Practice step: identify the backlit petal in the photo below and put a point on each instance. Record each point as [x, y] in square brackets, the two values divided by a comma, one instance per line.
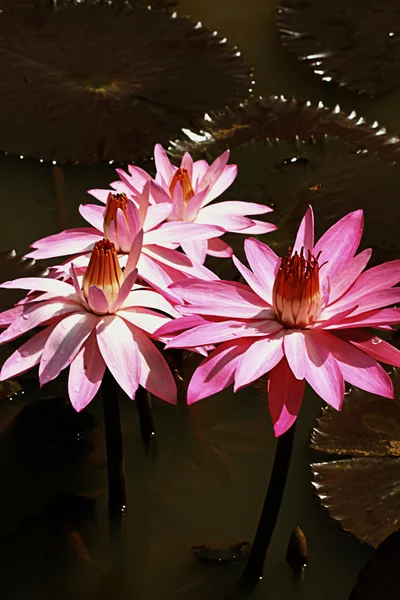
[64, 344]
[120, 352]
[339, 244]
[305, 234]
[27, 356]
[85, 374]
[260, 358]
[285, 395]
[216, 372]
[323, 372]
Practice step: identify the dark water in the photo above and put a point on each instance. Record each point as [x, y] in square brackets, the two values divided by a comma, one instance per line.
[207, 483]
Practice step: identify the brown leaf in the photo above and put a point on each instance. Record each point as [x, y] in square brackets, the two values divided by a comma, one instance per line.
[125, 80]
[356, 45]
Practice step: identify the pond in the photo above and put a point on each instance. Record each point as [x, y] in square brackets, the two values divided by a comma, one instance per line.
[204, 478]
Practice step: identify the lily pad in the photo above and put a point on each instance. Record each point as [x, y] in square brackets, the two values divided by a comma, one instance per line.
[277, 118]
[380, 577]
[329, 175]
[356, 44]
[124, 80]
[362, 492]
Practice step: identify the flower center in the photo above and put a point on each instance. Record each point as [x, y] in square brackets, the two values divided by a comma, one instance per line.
[103, 271]
[114, 202]
[182, 176]
[296, 293]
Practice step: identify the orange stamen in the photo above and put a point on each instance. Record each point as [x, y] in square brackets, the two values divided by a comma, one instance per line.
[182, 176]
[103, 271]
[296, 292]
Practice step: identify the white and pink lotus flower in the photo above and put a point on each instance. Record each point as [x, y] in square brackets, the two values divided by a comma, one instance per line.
[308, 317]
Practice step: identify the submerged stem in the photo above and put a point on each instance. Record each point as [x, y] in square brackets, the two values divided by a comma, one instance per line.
[145, 411]
[255, 565]
[115, 456]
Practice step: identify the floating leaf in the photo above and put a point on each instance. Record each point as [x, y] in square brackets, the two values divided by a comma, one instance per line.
[355, 44]
[327, 174]
[362, 493]
[124, 80]
[379, 579]
[277, 118]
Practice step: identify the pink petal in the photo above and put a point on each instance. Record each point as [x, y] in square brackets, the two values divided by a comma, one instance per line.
[216, 247]
[373, 318]
[263, 262]
[179, 325]
[27, 356]
[138, 177]
[124, 233]
[252, 280]
[215, 332]
[187, 163]
[160, 195]
[133, 216]
[120, 352]
[241, 209]
[38, 314]
[163, 164]
[214, 172]
[342, 281]
[305, 234]
[260, 358]
[295, 350]
[71, 241]
[372, 345]
[134, 186]
[85, 374]
[157, 214]
[196, 250]
[125, 290]
[339, 244]
[8, 316]
[101, 195]
[134, 254]
[155, 375]
[150, 298]
[199, 169]
[216, 372]
[97, 300]
[322, 371]
[144, 318]
[383, 276]
[179, 231]
[378, 299]
[64, 344]
[222, 183]
[216, 214]
[285, 395]
[41, 284]
[179, 262]
[93, 214]
[357, 368]
[258, 228]
[218, 298]
[190, 212]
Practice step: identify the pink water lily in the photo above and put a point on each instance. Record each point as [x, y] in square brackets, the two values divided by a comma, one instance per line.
[120, 221]
[188, 190]
[99, 320]
[306, 317]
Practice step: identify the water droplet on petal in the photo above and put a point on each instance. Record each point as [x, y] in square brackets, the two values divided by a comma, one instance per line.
[376, 340]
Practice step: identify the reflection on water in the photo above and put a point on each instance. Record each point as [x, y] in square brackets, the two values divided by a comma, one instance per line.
[206, 485]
